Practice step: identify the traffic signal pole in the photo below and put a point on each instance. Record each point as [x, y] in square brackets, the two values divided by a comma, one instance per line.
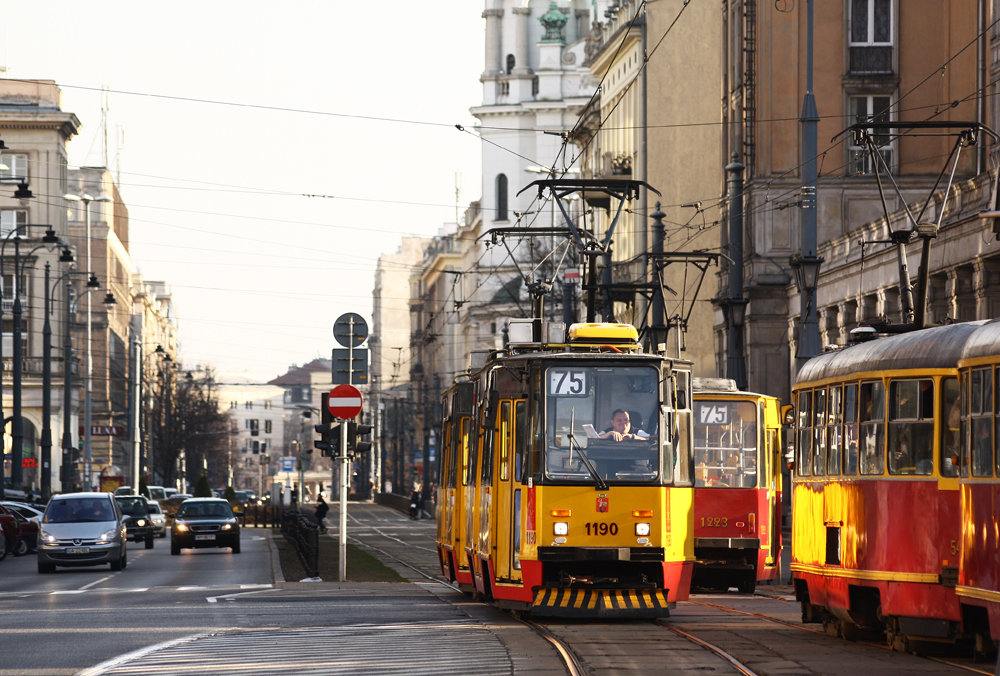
[344, 468]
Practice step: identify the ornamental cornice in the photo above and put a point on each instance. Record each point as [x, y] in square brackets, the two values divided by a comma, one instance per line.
[66, 123]
[523, 10]
[492, 12]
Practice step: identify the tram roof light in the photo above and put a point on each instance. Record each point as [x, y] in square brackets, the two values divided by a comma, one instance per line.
[616, 333]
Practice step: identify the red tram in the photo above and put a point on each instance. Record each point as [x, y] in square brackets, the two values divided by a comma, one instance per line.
[894, 505]
[737, 497]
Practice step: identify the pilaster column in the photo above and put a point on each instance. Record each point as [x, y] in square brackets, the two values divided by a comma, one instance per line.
[521, 60]
[494, 59]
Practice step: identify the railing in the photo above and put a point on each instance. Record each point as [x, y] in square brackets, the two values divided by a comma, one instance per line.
[303, 534]
[35, 366]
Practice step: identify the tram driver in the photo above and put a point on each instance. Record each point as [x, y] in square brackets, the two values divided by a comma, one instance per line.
[621, 426]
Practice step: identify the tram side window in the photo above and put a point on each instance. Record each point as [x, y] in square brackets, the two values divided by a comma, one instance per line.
[506, 440]
[872, 446]
[819, 432]
[464, 440]
[452, 450]
[951, 422]
[911, 427]
[520, 438]
[851, 430]
[835, 439]
[981, 423]
[804, 461]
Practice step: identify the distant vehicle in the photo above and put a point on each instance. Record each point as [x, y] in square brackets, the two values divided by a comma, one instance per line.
[138, 522]
[123, 490]
[82, 529]
[30, 512]
[169, 492]
[156, 492]
[204, 522]
[158, 518]
[10, 534]
[181, 496]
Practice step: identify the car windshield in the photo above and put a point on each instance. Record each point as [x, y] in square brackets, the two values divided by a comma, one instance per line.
[75, 510]
[602, 420]
[154, 508]
[725, 443]
[203, 510]
[132, 506]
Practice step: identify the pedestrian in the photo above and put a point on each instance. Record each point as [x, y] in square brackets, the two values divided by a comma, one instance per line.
[321, 509]
[415, 500]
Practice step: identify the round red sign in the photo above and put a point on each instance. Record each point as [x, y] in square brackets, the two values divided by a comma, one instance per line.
[344, 402]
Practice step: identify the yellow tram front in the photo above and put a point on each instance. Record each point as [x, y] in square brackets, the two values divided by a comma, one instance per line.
[584, 496]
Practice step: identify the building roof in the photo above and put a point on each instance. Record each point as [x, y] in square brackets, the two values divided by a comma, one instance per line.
[300, 375]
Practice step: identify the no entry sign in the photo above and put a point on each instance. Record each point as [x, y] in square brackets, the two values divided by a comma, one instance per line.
[344, 402]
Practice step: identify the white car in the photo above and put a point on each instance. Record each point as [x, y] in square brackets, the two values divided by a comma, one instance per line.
[29, 512]
[158, 518]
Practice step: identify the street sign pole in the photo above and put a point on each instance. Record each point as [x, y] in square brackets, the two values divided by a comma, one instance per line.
[344, 466]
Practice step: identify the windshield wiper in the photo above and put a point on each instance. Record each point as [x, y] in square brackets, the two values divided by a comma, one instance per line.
[601, 483]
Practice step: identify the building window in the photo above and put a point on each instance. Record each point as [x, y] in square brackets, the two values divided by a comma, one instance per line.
[870, 43]
[254, 427]
[248, 405]
[267, 427]
[501, 213]
[17, 168]
[874, 108]
[510, 63]
[10, 219]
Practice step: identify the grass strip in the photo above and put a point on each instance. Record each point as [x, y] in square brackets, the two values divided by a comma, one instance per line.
[361, 566]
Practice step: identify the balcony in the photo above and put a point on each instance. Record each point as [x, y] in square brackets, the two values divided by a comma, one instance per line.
[33, 367]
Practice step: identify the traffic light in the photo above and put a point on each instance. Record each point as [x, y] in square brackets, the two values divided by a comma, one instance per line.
[329, 443]
[359, 445]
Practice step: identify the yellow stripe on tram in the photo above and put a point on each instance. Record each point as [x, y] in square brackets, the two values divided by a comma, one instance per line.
[659, 597]
[621, 600]
[634, 599]
[647, 600]
[566, 596]
[580, 596]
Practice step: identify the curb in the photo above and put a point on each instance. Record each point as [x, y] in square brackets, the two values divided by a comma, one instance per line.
[277, 577]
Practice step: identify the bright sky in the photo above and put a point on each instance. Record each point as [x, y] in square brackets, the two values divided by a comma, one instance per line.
[224, 200]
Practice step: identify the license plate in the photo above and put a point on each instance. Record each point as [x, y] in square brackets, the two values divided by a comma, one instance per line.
[204, 537]
[78, 550]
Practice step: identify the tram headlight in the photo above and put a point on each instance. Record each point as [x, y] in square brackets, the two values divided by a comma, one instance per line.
[560, 528]
[642, 529]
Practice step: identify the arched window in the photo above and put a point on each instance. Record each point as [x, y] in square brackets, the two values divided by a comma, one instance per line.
[501, 213]
[510, 63]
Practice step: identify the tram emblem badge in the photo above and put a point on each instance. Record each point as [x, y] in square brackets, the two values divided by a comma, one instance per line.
[602, 503]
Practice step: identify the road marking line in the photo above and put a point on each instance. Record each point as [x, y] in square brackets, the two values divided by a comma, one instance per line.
[88, 586]
[104, 667]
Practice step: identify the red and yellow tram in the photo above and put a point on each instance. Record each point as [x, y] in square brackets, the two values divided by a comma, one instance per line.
[886, 512]
[737, 497]
[545, 511]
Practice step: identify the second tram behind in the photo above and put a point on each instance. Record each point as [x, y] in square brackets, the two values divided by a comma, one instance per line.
[542, 507]
[737, 497]
[896, 498]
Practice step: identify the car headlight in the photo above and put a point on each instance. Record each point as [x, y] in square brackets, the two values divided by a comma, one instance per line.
[642, 529]
[140, 522]
[180, 526]
[560, 528]
[107, 536]
[47, 537]
[227, 526]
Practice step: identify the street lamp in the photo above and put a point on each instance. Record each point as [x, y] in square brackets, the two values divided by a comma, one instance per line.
[88, 455]
[806, 270]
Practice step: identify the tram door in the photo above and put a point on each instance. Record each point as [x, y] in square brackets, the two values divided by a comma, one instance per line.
[772, 474]
[508, 490]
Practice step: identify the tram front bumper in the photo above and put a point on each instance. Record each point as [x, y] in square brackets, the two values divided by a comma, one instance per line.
[630, 603]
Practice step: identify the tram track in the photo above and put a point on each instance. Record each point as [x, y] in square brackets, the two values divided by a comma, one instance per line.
[571, 661]
[765, 618]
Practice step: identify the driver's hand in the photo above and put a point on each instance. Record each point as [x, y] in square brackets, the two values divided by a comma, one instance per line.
[617, 436]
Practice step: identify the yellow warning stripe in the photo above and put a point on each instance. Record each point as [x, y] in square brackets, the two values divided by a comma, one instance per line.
[875, 575]
[977, 593]
[566, 596]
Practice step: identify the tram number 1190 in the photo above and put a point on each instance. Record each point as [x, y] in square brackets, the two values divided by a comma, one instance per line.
[596, 528]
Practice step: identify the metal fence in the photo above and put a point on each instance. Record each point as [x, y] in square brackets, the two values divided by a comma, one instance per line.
[303, 534]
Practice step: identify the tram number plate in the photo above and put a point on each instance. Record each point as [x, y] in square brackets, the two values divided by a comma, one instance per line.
[714, 522]
[596, 528]
[568, 383]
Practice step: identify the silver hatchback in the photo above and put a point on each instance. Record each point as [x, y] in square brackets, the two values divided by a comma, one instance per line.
[82, 529]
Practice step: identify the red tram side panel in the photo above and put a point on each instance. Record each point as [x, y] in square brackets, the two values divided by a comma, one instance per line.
[737, 501]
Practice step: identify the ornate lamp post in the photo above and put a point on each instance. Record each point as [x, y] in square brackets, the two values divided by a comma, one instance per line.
[88, 454]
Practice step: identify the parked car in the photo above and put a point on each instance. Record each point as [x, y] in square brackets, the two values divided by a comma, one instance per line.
[204, 522]
[30, 512]
[158, 518]
[27, 532]
[138, 523]
[82, 529]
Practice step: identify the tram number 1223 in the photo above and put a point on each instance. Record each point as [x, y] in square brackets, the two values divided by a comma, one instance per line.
[714, 522]
[602, 528]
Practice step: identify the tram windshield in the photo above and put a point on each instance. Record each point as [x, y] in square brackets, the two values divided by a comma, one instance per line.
[602, 423]
[726, 438]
